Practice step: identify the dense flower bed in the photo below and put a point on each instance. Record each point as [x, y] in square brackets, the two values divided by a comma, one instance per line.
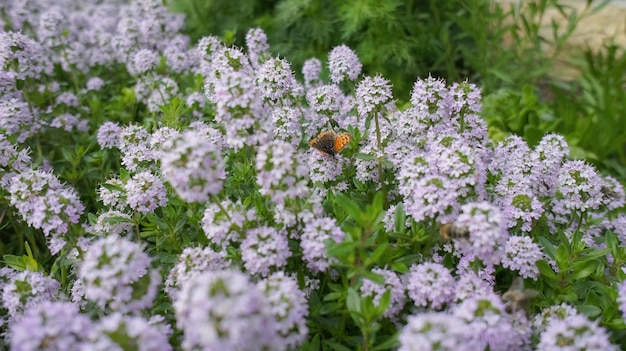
[182, 207]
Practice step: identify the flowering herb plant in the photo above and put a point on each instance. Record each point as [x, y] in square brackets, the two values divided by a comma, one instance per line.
[163, 196]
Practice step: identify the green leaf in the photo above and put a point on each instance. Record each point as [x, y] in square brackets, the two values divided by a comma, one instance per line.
[365, 157]
[377, 254]
[399, 219]
[549, 249]
[546, 270]
[352, 208]
[562, 256]
[532, 134]
[337, 346]
[374, 277]
[391, 343]
[400, 267]
[590, 311]
[15, 262]
[353, 302]
[583, 269]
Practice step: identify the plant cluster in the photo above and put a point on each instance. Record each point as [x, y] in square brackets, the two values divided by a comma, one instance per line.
[163, 196]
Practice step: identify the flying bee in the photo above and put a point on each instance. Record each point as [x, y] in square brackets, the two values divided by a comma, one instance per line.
[448, 231]
[609, 193]
[517, 298]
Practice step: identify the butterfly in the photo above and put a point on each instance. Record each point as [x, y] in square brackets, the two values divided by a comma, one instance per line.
[330, 143]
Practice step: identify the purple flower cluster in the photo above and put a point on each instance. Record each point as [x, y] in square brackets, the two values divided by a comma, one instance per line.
[224, 310]
[134, 143]
[224, 223]
[12, 160]
[258, 48]
[373, 94]
[238, 101]
[575, 333]
[489, 326]
[314, 235]
[430, 284]
[114, 223]
[142, 334]
[52, 326]
[438, 148]
[191, 262]
[193, 166]
[116, 274]
[393, 284]
[311, 70]
[145, 192]
[521, 254]
[263, 249]
[287, 304]
[276, 81]
[22, 57]
[487, 233]
[343, 63]
[17, 118]
[434, 331]
[26, 289]
[44, 203]
[282, 175]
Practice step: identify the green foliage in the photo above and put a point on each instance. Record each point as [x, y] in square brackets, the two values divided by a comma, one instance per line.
[589, 111]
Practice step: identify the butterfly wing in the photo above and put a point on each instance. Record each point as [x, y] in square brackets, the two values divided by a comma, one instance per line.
[341, 141]
[325, 142]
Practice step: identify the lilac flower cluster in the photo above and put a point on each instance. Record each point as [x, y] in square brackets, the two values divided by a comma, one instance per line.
[224, 223]
[574, 333]
[134, 143]
[487, 234]
[46, 204]
[521, 254]
[191, 262]
[113, 272]
[343, 63]
[225, 310]
[282, 176]
[12, 161]
[142, 334]
[393, 284]
[22, 57]
[434, 331]
[193, 166]
[109, 135]
[430, 284]
[26, 289]
[315, 234]
[438, 149]
[287, 304]
[145, 192]
[276, 81]
[238, 101]
[52, 326]
[263, 249]
[489, 326]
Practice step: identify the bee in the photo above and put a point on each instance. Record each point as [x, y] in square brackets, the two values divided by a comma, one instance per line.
[609, 193]
[450, 231]
[517, 298]
[330, 143]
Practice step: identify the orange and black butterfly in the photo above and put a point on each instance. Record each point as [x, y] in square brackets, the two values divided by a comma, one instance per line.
[330, 143]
